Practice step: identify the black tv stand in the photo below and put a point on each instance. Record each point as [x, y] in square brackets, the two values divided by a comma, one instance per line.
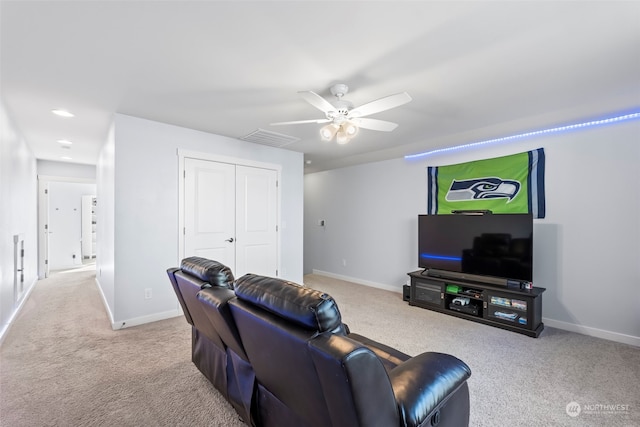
[513, 309]
[465, 277]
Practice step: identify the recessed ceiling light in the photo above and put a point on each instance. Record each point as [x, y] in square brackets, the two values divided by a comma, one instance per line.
[64, 142]
[66, 158]
[62, 113]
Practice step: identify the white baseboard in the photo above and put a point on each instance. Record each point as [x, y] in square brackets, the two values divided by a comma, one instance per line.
[566, 326]
[136, 321]
[25, 297]
[104, 301]
[127, 323]
[358, 281]
[592, 332]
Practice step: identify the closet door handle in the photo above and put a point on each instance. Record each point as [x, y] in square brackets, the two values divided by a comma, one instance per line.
[230, 240]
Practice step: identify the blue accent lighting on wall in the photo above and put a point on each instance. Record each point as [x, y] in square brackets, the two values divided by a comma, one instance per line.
[592, 123]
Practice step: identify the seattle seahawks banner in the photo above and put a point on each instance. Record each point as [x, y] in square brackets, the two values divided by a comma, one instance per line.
[510, 184]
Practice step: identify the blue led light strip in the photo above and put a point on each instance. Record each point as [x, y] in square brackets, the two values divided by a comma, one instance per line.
[524, 135]
[441, 257]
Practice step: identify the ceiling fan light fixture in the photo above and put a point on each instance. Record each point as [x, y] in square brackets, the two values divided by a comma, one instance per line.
[342, 137]
[343, 120]
[350, 129]
[327, 132]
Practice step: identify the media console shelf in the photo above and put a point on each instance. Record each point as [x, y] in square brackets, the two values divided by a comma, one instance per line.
[517, 310]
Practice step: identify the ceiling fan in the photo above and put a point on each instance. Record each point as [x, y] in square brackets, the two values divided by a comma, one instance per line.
[344, 120]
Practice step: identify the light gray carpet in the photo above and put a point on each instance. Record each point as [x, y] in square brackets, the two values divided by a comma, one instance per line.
[516, 380]
[62, 365]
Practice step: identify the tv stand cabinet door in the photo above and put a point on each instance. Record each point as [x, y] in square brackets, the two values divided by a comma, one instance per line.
[518, 311]
[427, 293]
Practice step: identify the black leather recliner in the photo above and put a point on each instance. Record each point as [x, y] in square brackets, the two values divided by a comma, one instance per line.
[311, 371]
[292, 362]
[240, 375]
[204, 288]
[194, 275]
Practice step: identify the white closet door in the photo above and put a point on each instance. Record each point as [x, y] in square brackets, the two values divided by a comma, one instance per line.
[256, 221]
[230, 215]
[209, 217]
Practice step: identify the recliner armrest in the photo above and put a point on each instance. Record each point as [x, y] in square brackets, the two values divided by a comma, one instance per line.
[389, 356]
[425, 381]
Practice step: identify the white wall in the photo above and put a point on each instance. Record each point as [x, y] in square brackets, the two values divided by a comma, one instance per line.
[65, 223]
[586, 251]
[144, 158]
[105, 227]
[52, 169]
[18, 195]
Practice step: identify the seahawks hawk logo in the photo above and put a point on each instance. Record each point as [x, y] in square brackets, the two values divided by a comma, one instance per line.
[482, 188]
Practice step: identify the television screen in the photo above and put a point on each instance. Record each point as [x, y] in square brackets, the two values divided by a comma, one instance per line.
[495, 245]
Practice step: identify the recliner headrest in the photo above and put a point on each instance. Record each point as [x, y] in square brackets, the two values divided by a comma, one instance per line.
[212, 272]
[306, 307]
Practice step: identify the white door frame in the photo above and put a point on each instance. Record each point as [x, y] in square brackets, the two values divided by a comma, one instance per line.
[182, 154]
[43, 217]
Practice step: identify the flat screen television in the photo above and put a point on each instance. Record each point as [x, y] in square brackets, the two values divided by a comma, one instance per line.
[490, 248]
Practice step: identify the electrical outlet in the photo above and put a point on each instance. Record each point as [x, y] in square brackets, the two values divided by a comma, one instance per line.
[147, 293]
[344, 262]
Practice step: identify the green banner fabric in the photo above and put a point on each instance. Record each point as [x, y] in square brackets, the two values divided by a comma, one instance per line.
[509, 184]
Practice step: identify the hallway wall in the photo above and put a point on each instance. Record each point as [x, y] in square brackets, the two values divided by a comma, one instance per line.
[18, 216]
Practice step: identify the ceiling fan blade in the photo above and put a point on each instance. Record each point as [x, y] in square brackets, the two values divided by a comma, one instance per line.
[317, 101]
[375, 124]
[382, 104]
[295, 122]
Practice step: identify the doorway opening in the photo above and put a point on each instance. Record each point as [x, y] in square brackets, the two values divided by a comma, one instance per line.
[60, 237]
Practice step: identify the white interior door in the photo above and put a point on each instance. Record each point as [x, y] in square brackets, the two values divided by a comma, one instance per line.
[209, 220]
[256, 221]
[43, 228]
[230, 215]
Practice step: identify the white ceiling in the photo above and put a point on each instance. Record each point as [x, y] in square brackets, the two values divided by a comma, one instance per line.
[475, 69]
